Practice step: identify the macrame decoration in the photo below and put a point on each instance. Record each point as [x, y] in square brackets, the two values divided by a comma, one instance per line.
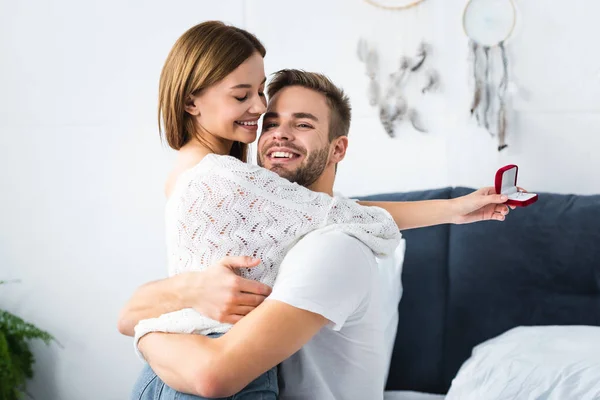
[392, 103]
[488, 24]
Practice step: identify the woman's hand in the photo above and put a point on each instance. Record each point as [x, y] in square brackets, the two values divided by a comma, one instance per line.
[219, 293]
[482, 205]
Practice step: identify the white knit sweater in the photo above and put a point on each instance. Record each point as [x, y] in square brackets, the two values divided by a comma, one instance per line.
[225, 207]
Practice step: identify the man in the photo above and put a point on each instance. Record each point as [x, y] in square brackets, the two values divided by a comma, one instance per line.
[322, 320]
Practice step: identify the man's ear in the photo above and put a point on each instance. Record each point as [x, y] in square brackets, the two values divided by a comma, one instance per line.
[191, 105]
[340, 145]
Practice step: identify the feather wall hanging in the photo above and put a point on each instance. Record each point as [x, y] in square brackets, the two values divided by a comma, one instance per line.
[392, 103]
[488, 24]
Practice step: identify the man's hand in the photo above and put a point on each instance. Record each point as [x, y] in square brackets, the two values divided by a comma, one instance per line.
[482, 205]
[223, 295]
[217, 292]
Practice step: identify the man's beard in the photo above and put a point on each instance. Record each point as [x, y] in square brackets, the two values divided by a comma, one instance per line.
[308, 172]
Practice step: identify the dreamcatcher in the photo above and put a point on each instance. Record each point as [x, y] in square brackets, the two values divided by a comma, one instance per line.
[488, 24]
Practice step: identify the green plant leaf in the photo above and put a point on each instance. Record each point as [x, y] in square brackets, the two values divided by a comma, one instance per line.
[16, 358]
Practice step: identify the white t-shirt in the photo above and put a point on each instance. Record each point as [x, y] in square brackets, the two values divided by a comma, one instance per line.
[336, 276]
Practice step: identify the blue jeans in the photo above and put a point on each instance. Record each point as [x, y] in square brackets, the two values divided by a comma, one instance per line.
[150, 387]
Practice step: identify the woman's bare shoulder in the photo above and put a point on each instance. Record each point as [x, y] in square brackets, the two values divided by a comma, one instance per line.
[187, 158]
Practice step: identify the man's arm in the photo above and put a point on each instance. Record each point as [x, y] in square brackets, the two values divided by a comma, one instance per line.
[323, 279]
[223, 366]
[217, 292]
[481, 205]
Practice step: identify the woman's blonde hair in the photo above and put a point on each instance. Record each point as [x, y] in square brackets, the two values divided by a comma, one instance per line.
[201, 57]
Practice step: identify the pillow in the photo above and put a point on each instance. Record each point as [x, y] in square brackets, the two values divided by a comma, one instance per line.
[541, 362]
[390, 281]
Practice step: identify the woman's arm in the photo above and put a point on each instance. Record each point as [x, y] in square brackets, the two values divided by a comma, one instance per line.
[149, 301]
[217, 292]
[416, 214]
[481, 205]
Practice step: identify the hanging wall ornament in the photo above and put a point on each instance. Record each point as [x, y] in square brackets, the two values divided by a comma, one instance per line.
[394, 4]
[372, 63]
[369, 56]
[393, 94]
[488, 24]
[432, 81]
[392, 103]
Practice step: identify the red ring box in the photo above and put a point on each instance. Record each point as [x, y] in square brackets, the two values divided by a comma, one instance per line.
[506, 183]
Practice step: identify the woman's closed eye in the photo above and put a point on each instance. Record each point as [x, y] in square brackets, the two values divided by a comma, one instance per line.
[242, 99]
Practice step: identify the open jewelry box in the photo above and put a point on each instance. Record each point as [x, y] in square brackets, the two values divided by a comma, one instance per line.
[506, 183]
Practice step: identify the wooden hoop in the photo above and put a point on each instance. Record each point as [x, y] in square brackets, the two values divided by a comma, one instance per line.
[404, 7]
[512, 28]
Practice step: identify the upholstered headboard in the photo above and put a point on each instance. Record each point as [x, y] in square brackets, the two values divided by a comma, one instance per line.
[464, 284]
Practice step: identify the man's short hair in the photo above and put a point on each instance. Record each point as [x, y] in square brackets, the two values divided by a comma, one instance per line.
[338, 102]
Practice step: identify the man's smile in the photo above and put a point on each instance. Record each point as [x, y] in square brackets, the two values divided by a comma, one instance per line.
[282, 155]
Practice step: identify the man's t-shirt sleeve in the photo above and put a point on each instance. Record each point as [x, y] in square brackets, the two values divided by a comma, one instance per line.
[327, 273]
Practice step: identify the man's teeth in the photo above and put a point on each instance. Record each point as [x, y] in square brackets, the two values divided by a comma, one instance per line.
[247, 123]
[281, 154]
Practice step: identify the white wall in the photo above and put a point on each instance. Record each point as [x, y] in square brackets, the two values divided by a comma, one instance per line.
[82, 168]
[82, 174]
[555, 67]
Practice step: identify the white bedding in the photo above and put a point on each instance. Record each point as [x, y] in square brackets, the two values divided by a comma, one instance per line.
[542, 363]
[408, 395]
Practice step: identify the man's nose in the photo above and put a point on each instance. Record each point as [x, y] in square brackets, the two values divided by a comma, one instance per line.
[283, 132]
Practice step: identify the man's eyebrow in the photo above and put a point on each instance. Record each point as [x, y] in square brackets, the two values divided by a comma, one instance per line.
[247, 85]
[298, 115]
[305, 115]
